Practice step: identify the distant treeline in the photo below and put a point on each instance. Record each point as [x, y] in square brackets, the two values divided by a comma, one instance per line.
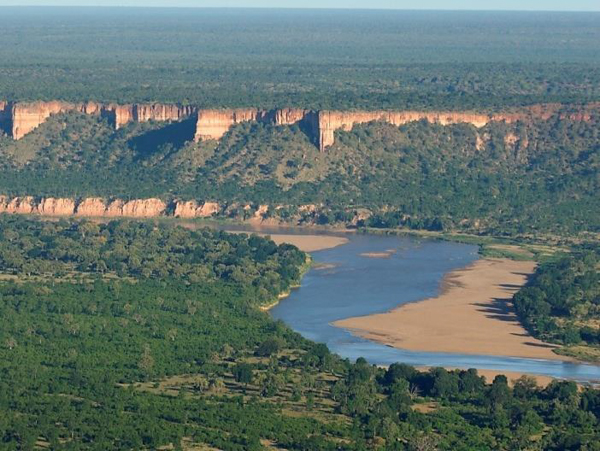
[307, 59]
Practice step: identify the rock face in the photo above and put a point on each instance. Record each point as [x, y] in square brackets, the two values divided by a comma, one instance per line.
[18, 119]
[91, 207]
[213, 124]
[331, 121]
[22, 118]
[17, 205]
[56, 207]
[260, 214]
[139, 208]
[191, 209]
[26, 117]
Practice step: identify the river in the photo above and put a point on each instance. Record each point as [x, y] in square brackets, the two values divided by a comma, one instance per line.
[348, 284]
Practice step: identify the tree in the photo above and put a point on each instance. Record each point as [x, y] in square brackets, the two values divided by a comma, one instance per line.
[146, 363]
[499, 393]
[269, 347]
[242, 373]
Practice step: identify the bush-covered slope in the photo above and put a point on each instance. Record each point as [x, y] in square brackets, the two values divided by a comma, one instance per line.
[505, 178]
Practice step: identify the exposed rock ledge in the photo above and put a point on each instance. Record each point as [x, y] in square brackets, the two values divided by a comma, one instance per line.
[98, 207]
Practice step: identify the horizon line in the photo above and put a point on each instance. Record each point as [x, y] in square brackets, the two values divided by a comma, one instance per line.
[297, 8]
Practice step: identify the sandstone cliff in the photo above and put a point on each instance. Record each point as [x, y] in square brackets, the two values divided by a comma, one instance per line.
[91, 207]
[191, 209]
[26, 117]
[18, 205]
[56, 207]
[213, 124]
[18, 119]
[98, 207]
[331, 121]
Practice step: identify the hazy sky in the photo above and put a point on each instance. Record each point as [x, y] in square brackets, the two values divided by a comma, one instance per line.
[548, 5]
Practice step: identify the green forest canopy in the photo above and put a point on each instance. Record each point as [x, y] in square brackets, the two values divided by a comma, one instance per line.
[96, 353]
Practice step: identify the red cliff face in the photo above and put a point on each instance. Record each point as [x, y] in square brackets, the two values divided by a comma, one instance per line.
[97, 207]
[17, 205]
[26, 117]
[56, 207]
[213, 124]
[18, 119]
[331, 121]
[191, 209]
[91, 207]
[139, 208]
[161, 112]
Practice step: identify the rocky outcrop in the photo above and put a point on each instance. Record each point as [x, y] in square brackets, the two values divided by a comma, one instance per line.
[260, 214]
[26, 117]
[331, 121]
[213, 124]
[208, 209]
[121, 115]
[18, 205]
[139, 208]
[116, 208]
[91, 207]
[191, 209]
[22, 118]
[56, 207]
[185, 209]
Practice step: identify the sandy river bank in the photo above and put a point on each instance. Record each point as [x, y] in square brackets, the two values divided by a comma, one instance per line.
[306, 243]
[472, 315]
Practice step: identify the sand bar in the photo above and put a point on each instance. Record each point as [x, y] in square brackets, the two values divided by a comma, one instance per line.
[306, 243]
[472, 315]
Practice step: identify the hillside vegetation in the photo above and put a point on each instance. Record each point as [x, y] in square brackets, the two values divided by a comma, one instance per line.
[504, 178]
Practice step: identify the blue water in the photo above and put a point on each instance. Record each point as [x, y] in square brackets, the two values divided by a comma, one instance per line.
[358, 285]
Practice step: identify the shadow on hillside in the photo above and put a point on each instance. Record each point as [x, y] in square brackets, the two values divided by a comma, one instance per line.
[165, 140]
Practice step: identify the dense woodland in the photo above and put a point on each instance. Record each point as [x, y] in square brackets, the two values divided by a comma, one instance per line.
[308, 59]
[522, 178]
[96, 353]
[561, 303]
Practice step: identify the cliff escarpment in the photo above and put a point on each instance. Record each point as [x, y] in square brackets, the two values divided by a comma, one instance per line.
[19, 119]
[99, 207]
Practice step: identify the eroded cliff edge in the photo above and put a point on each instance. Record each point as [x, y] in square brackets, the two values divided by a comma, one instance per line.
[98, 207]
[17, 119]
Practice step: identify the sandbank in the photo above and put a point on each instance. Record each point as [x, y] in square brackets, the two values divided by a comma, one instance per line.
[306, 243]
[472, 315]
